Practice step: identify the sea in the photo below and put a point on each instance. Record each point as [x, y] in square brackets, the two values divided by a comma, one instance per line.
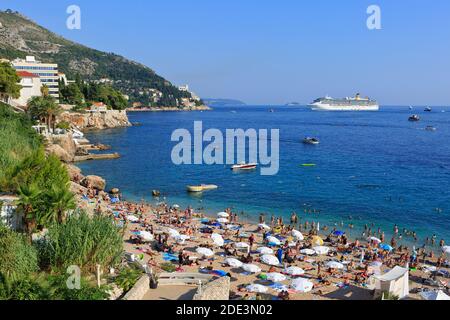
[371, 168]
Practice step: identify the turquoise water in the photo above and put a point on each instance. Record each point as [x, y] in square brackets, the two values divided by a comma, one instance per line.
[372, 167]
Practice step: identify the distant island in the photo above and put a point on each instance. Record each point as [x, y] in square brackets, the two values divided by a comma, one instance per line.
[222, 102]
[293, 104]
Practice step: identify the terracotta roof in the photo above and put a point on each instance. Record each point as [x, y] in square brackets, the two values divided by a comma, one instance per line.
[26, 74]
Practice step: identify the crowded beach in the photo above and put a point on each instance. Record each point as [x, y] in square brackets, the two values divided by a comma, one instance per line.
[272, 260]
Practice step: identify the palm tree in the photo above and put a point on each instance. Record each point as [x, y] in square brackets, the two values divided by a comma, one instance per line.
[29, 197]
[44, 107]
[60, 200]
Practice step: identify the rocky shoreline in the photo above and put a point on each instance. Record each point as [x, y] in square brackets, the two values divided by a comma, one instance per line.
[170, 109]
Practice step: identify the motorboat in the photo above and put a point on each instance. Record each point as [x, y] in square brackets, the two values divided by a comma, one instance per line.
[309, 140]
[428, 109]
[430, 128]
[201, 188]
[414, 117]
[244, 166]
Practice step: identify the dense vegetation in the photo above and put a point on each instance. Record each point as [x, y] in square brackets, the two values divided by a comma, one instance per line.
[129, 77]
[83, 94]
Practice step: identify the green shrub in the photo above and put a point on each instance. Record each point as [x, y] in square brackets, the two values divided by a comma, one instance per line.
[27, 289]
[88, 291]
[127, 278]
[82, 241]
[18, 259]
[168, 267]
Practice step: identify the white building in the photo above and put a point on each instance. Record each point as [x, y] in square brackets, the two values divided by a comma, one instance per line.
[47, 72]
[31, 87]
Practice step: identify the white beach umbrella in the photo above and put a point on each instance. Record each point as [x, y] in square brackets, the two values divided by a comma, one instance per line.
[334, 265]
[320, 250]
[132, 218]
[231, 226]
[182, 238]
[273, 240]
[176, 206]
[264, 250]
[292, 244]
[276, 277]
[241, 245]
[145, 235]
[222, 220]
[205, 252]
[302, 285]
[234, 263]
[258, 288]
[223, 215]
[270, 260]
[376, 264]
[434, 295]
[298, 235]
[446, 249]
[252, 268]
[308, 252]
[217, 239]
[374, 239]
[263, 226]
[294, 271]
[172, 232]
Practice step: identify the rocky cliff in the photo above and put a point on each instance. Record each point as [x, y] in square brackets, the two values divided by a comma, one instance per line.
[96, 121]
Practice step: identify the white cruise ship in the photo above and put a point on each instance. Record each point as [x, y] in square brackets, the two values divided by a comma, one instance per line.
[346, 104]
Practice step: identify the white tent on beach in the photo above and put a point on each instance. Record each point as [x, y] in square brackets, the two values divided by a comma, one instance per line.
[394, 282]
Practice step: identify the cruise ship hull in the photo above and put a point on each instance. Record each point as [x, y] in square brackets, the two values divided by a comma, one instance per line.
[356, 107]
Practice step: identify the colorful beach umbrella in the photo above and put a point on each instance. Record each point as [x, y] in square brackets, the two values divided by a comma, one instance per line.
[205, 252]
[252, 268]
[317, 241]
[264, 250]
[294, 271]
[338, 233]
[302, 285]
[386, 247]
[234, 263]
[270, 260]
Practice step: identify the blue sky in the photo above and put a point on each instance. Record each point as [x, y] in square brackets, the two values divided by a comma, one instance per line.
[272, 51]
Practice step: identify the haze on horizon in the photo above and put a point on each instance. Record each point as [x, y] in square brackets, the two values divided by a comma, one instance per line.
[272, 52]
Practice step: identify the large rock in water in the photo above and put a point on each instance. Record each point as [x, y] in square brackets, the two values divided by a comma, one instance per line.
[74, 172]
[59, 152]
[94, 121]
[95, 182]
[66, 142]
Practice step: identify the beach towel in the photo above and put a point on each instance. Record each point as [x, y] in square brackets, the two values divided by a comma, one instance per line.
[220, 273]
[169, 257]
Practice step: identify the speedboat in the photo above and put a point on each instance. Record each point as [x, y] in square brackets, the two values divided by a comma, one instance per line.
[244, 166]
[430, 128]
[309, 140]
[201, 188]
[414, 117]
[271, 111]
[428, 109]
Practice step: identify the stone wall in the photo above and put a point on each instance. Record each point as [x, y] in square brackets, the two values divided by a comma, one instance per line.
[97, 120]
[139, 290]
[215, 290]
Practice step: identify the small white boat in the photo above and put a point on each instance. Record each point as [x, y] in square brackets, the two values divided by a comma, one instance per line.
[414, 118]
[244, 166]
[428, 109]
[201, 188]
[313, 141]
[430, 128]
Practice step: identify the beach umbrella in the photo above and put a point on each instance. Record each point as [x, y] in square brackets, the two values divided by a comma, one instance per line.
[182, 238]
[234, 263]
[223, 215]
[222, 220]
[232, 227]
[294, 271]
[317, 241]
[252, 268]
[375, 239]
[264, 250]
[446, 249]
[318, 226]
[258, 288]
[145, 235]
[308, 252]
[376, 264]
[434, 295]
[298, 235]
[270, 260]
[172, 232]
[264, 226]
[276, 277]
[132, 218]
[321, 250]
[386, 247]
[302, 285]
[338, 233]
[334, 265]
[176, 206]
[273, 240]
[205, 252]
[292, 244]
[241, 245]
[217, 239]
